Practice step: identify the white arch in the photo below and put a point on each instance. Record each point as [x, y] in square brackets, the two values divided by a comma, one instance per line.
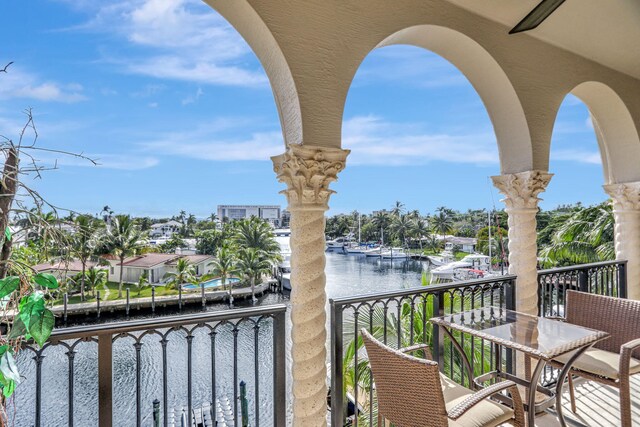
[255, 32]
[615, 130]
[488, 79]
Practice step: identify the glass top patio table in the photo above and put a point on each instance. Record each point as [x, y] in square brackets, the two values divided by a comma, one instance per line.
[536, 336]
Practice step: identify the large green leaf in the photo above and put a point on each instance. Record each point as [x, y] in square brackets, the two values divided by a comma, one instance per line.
[7, 233]
[8, 285]
[46, 280]
[30, 306]
[9, 388]
[41, 325]
[8, 367]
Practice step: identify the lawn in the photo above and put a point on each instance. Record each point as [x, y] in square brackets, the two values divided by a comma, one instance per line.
[113, 293]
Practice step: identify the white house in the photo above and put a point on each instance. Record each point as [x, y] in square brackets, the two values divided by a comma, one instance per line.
[156, 265]
[65, 269]
[165, 229]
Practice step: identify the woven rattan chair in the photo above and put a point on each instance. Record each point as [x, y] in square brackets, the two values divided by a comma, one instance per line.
[611, 361]
[411, 392]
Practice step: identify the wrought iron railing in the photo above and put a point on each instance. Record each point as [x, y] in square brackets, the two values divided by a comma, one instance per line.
[110, 374]
[603, 278]
[401, 319]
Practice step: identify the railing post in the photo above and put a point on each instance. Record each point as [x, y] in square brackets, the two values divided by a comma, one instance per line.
[438, 338]
[153, 299]
[337, 386]
[622, 279]
[66, 301]
[98, 304]
[105, 380]
[510, 304]
[583, 282]
[279, 370]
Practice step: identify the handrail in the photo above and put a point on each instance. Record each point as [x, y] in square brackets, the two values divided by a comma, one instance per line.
[580, 267]
[164, 322]
[418, 290]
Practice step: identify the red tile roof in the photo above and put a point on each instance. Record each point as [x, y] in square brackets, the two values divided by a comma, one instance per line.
[64, 265]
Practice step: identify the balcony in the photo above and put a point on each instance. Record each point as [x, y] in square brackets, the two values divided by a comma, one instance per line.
[157, 371]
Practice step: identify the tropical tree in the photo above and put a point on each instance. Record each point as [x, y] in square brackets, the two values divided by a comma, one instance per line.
[225, 266]
[185, 273]
[94, 278]
[442, 222]
[123, 238]
[381, 220]
[84, 241]
[401, 227]
[398, 209]
[143, 281]
[253, 263]
[586, 236]
[256, 234]
[420, 230]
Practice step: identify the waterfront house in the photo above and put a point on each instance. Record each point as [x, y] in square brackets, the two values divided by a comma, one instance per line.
[155, 265]
[65, 269]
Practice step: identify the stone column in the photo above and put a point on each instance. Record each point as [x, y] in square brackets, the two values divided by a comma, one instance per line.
[626, 211]
[521, 191]
[307, 171]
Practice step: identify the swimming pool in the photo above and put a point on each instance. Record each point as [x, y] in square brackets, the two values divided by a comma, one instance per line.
[214, 283]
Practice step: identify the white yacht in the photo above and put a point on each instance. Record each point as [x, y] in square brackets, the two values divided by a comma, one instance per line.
[394, 253]
[445, 257]
[449, 271]
[375, 252]
[337, 245]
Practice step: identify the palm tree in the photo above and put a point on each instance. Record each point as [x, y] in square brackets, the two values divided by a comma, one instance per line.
[123, 238]
[586, 236]
[95, 277]
[381, 220]
[143, 281]
[224, 266]
[420, 230]
[442, 222]
[401, 226]
[83, 244]
[185, 273]
[256, 234]
[253, 264]
[398, 208]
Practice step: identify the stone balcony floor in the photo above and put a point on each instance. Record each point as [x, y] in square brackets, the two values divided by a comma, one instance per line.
[598, 405]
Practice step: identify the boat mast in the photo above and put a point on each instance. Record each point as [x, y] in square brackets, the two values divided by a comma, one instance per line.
[359, 233]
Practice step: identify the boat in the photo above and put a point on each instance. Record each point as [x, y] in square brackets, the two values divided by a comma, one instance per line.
[394, 253]
[447, 272]
[339, 244]
[375, 252]
[355, 250]
[445, 257]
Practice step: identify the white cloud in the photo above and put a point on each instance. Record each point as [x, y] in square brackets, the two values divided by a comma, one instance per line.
[19, 83]
[203, 145]
[374, 141]
[181, 40]
[193, 98]
[153, 105]
[577, 155]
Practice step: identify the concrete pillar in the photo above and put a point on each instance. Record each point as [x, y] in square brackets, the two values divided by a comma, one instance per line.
[626, 211]
[521, 191]
[307, 171]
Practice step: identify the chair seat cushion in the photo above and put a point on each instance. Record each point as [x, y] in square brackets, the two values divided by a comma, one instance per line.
[600, 362]
[484, 414]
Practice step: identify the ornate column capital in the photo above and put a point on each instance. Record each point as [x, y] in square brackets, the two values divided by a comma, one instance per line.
[522, 189]
[307, 171]
[625, 196]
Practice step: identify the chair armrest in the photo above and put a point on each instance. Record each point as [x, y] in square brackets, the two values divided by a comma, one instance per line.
[417, 347]
[626, 350]
[461, 408]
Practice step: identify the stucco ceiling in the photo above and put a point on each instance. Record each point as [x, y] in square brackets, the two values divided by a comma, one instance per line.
[605, 31]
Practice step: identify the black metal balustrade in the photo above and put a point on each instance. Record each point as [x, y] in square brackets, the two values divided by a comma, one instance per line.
[603, 278]
[126, 364]
[400, 319]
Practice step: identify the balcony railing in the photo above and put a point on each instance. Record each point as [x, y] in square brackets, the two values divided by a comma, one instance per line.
[400, 319]
[603, 278]
[114, 372]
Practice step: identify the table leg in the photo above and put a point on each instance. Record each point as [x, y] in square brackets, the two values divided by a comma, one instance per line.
[531, 398]
[560, 384]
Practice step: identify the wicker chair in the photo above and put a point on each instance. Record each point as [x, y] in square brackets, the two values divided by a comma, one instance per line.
[611, 361]
[411, 392]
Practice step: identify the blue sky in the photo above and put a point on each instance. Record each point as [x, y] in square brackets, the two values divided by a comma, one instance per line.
[179, 113]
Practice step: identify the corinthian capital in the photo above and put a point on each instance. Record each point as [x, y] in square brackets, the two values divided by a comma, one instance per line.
[626, 196]
[522, 189]
[307, 171]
